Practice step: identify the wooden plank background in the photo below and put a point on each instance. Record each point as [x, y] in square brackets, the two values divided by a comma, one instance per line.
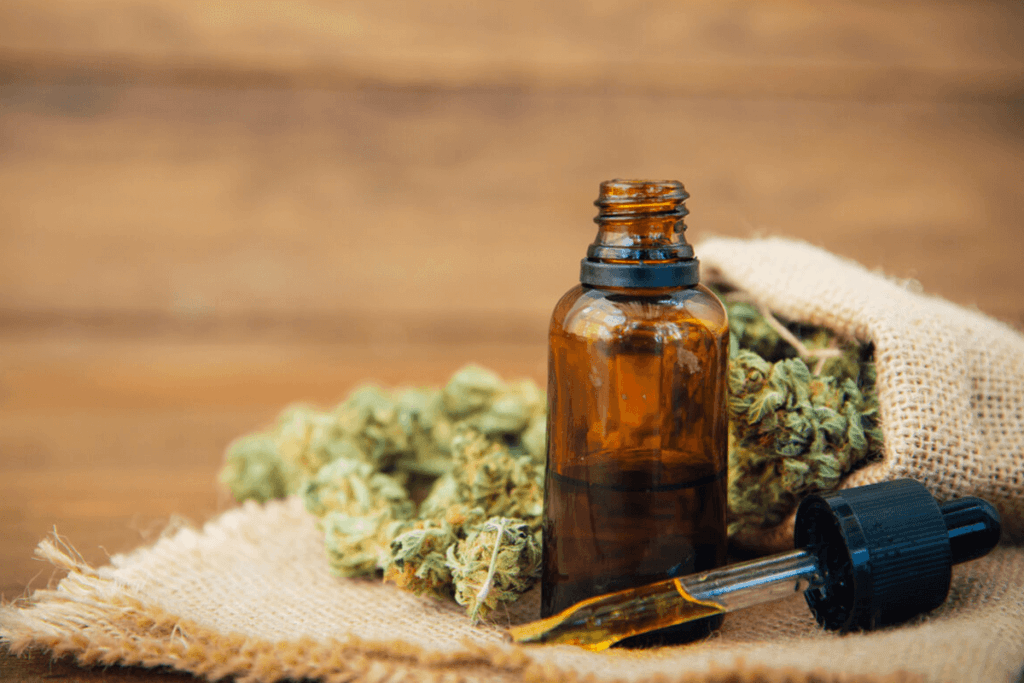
[210, 209]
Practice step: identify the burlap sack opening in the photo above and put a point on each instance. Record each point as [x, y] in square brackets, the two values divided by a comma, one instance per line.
[250, 594]
[950, 380]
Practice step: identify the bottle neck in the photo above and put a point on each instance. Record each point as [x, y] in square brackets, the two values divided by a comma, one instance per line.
[650, 239]
[640, 240]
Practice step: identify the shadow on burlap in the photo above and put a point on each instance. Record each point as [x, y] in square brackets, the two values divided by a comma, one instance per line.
[250, 594]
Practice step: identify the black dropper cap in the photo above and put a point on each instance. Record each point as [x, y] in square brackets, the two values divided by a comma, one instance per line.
[886, 550]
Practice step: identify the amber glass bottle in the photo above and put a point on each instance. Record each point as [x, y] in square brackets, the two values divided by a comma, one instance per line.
[637, 432]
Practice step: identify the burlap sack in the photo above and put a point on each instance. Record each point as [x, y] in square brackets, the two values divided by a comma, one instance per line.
[250, 594]
[950, 380]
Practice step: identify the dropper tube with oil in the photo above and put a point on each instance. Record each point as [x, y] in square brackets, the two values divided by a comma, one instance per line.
[599, 622]
[870, 556]
[635, 489]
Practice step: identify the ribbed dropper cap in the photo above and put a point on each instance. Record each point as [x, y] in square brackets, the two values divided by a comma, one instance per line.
[886, 550]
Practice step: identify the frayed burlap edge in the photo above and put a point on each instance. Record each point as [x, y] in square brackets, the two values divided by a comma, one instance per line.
[97, 621]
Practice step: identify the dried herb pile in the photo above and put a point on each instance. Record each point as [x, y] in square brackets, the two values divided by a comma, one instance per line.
[803, 412]
[475, 447]
[441, 490]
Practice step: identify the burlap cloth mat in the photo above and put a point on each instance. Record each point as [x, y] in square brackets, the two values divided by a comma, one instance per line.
[250, 595]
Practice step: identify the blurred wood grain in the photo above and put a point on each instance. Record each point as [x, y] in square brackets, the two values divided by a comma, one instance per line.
[211, 209]
[398, 210]
[838, 48]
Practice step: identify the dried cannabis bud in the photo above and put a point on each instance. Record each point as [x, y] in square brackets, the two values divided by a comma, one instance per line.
[486, 482]
[496, 563]
[417, 558]
[356, 544]
[490, 477]
[360, 511]
[749, 330]
[802, 409]
[793, 430]
[356, 488]
[253, 469]
[306, 441]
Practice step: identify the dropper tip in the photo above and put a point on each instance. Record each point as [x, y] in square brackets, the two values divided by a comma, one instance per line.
[555, 630]
[973, 525]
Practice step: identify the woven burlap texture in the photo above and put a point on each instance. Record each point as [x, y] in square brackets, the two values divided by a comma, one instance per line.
[250, 594]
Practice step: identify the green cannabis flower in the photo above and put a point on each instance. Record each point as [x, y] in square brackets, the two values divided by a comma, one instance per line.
[498, 562]
[793, 430]
[492, 478]
[360, 510]
[356, 488]
[487, 482]
[417, 558]
[306, 440]
[253, 469]
[748, 329]
[356, 544]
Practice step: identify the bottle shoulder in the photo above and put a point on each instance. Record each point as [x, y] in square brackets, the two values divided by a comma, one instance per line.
[596, 312]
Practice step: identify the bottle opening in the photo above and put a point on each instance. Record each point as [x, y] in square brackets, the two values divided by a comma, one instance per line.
[640, 240]
[637, 197]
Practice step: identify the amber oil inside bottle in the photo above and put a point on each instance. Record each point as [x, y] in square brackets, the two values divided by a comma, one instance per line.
[637, 433]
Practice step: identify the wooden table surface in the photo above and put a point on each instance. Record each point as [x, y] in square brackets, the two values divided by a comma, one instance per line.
[210, 211]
